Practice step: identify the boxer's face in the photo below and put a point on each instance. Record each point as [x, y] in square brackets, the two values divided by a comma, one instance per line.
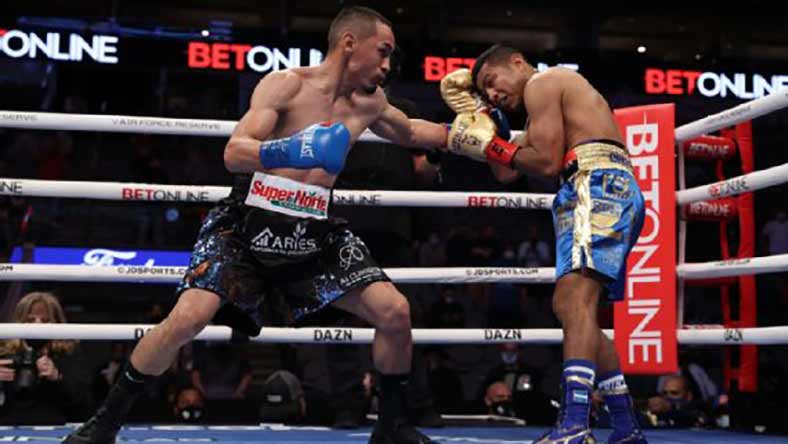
[501, 85]
[370, 61]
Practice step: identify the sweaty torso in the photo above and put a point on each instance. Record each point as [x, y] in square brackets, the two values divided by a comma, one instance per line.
[311, 105]
[586, 113]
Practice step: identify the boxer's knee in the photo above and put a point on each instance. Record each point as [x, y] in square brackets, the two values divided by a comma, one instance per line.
[575, 299]
[394, 313]
[194, 310]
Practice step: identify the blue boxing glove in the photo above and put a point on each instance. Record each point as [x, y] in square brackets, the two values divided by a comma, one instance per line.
[322, 145]
[504, 129]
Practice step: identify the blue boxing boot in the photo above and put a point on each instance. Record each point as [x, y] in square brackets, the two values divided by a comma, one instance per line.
[577, 388]
[614, 389]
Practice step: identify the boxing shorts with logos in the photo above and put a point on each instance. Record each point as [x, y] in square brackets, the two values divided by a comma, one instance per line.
[274, 255]
[598, 213]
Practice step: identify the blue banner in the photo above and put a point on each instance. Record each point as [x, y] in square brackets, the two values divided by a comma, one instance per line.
[103, 256]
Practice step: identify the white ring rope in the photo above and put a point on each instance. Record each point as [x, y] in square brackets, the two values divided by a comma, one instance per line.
[734, 267]
[189, 193]
[741, 113]
[172, 275]
[129, 124]
[756, 180]
[711, 336]
[414, 275]
[222, 128]
[381, 198]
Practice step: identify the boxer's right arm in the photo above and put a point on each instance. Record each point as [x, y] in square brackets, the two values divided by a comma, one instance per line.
[270, 97]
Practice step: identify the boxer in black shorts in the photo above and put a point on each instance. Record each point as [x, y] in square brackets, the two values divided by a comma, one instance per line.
[272, 268]
[271, 253]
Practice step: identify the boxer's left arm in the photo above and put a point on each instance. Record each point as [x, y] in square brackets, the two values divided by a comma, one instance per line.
[394, 125]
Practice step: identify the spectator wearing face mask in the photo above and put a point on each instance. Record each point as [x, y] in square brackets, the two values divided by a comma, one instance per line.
[675, 406]
[188, 405]
[498, 399]
[529, 401]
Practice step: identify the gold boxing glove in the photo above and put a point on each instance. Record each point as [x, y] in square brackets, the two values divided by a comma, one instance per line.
[473, 135]
[457, 92]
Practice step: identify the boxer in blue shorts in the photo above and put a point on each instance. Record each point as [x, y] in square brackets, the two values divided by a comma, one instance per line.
[598, 211]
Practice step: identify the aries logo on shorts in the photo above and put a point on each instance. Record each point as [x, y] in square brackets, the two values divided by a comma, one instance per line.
[295, 245]
[350, 254]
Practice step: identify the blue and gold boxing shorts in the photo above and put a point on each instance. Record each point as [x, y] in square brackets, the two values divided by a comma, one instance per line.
[597, 213]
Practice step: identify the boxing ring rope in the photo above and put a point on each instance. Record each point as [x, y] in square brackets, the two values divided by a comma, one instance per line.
[413, 275]
[172, 275]
[190, 193]
[276, 335]
[741, 113]
[384, 198]
[222, 128]
[745, 183]
[128, 124]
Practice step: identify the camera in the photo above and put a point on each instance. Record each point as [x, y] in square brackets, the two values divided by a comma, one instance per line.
[24, 362]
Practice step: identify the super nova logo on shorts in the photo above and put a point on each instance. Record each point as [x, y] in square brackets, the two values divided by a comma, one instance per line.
[295, 245]
[295, 200]
[286, 196]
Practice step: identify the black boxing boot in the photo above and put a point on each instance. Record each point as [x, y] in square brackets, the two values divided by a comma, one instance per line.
[392, 426]
[103, 427]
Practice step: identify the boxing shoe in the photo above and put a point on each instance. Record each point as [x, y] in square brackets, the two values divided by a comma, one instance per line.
[399, 434]
[576, 434]
[103, 427]
[97, 430]
[633, 437]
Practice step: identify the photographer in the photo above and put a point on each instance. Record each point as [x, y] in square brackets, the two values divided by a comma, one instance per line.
[41, 382]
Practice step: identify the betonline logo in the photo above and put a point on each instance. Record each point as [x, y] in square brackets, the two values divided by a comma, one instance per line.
[644, 276]
[712, 84]
[70, 47]
[238, 56]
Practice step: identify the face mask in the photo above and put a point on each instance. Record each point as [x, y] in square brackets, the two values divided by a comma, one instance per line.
[190, 414]
[508, 357]
[503, 408]
[677, 403]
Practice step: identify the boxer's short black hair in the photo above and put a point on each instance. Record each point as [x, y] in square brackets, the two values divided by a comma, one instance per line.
[497, 53]
[359, 19]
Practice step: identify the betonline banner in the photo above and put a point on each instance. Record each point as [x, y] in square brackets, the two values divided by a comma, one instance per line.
[239, 57]
[102, 257]
[58, 46]
[645, 321]
[712, 84]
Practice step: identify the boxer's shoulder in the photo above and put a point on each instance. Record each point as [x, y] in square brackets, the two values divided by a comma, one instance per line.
[286, 81]
[277, 88]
